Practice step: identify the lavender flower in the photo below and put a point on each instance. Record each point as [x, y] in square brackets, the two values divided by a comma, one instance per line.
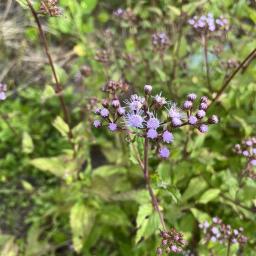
[3, 89]
[153, 123]
[97, 123]
[160, 41]
[159, 100]
[187, 104]
[164, 152]
[112, 127]
[115, 103]
[134, 120]
[167, 137]
[253, 162]
[203, 128]
[192, 96]
[192, 120]
[135, 103]
[152, 134]
[104, 112]
[121, 111]
[200, 114]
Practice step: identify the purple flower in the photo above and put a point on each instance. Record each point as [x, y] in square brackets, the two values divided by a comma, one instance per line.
[153, 123]
[200, 114]
[112, 127]
[164, 152]
[176, 122]
[121, 111]
[192, 120]
[115, 103]
[147, 89]
[249, 143]
[245, 153]
[203, 106]
[175, 112]
[204, 99]
[152, 134]
[160, 100]
[187, 104]
[253, 162]
[192, 96]
[213, 119]
[134, 120]
[97, 111]
[104, 112]
[167, 137]
[3, 89]
[135, 103]
[96, 123]
[203, 128]
[254, 151]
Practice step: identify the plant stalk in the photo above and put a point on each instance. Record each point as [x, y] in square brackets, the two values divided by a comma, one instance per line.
[147, 179]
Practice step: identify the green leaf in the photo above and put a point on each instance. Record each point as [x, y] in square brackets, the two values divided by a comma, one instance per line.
[88, 6]
[47, 93]
[81, 221]
[161, 74]
[61, 166]
[22, 3]
[10, 248]
[27, 186]
[199, 215]
[209, 195]
[27, 143]
[61, 126]
[196, 186]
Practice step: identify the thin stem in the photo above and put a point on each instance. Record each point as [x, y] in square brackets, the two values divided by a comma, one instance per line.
[205, 44]
[5, 119]
[229, 246]
[58, 87]
[147, 179]
[226, 82]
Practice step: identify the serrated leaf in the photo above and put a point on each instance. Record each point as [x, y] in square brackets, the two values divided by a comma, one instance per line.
[81, 222]
[27, 143]
[61, 126]
[209, 195]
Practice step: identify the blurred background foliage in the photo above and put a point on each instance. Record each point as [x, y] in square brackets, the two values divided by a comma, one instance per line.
[94, 202]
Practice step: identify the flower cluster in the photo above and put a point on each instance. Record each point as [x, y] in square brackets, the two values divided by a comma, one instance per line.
[49, 7]
[151, 117]
[160, 41]
[247, 149]
[124, 14]
[207, 23]
[222, 233]
[3, 89]
[172, 242]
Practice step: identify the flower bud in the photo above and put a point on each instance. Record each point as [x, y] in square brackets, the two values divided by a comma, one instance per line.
[213, 119]
[200, 114]
[147, 89]
[105, 103]
[187, 104]
[191, 97]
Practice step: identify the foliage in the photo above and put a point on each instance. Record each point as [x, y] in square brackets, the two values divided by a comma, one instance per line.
[70, 189]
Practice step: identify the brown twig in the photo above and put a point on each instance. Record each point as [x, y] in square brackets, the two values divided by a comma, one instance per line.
[147, 179]
[244, 63]
[58, 86]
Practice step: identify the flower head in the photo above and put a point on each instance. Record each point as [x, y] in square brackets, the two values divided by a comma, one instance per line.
[164, 152]
[134, 120]
[192, 120]
[152, 134]
[203, 128]
[96, 123]
[112, 127]
[153, 123]
[104, 112]
[167, 137]
[135, 103]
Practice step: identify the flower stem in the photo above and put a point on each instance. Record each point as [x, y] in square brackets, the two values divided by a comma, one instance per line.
[226, 82]
[228, 249]
[147, 179]
[58, 87]
[205, 44]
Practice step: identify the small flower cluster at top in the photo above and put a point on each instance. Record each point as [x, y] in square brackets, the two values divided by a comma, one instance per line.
[3, 90]
[222, 233]
[248, 149]
[125, 14]
[103, 56]
[152, 117]
[50, 7]
[172, 242]
[207, 23]
[160, 41]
